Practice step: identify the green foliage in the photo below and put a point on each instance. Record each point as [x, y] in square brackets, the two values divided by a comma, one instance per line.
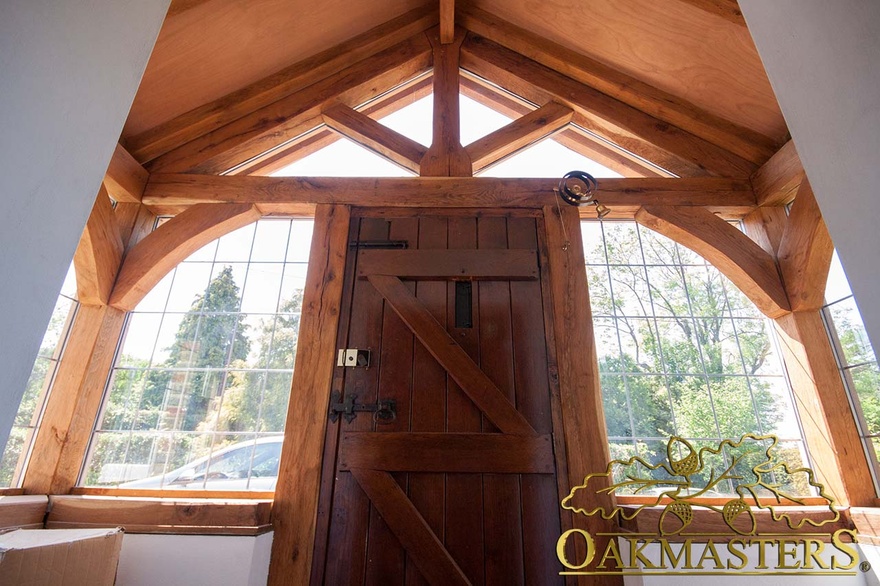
[206, 385]
[694, 335]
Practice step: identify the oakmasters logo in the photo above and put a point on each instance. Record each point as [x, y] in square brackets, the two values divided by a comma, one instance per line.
[699, 530]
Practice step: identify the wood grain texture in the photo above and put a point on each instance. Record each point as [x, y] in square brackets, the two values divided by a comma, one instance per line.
[520, 133]
[482, 391]
[447, 21]
[181, 6]
[166, 515]
[148, 262]
[299, 477]
[766, 225]
[23, 511]
[207, 53]
[577, 368]
[269, 126]
[135, 221]
[691, 55]
[621, 84]
[573, 137]
[98, 254]
[423, 547]
[125, 178]
[726, 9]
[446, 157]
[447, 452]
[65, 430]
[364, 130]
[805, 252]
[829, 427]
[273, 193]
[659, 142]
[426, 264]
[149, 144]
[776, 181]
[740, 259]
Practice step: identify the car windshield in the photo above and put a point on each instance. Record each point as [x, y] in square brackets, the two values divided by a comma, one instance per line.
[247, 461]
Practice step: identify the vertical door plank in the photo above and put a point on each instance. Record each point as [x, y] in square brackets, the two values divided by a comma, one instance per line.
[464, 492]
[472, 382]
[428, 491]
[296, 496]
[540, 504]
[350, 516]
[385, 556]
[501, 493]
[423, 547]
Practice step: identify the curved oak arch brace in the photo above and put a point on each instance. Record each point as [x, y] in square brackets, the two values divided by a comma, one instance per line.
[742, 261]
[148, 262]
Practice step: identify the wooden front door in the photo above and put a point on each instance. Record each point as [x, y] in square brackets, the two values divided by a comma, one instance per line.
[461, 486]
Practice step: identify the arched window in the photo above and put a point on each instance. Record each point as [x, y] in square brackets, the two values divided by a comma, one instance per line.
[197, 398]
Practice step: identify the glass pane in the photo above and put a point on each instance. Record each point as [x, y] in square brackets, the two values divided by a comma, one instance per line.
[236, 246]
[343, 158]
[292, 286]
[649, 401]
[622, 243]
[678, 346]
[733, 404]
[270, 242]
[668, 294]
[594, 245]
[618, 420]
[658, 249]
[276, 395]
[547, 158]
[188, 287]
[300, 241]
[707, 298]
[719, 346]
[280, 350]
[478, 120]
[693, 408]
[204, 254]
[31, 401]
[851, 332]
[56, 328]
[156, 299]
[630, 289]
[639, 345]
[866, 380]
[837, 285]
[774, 403]
[759, 353]
[607, 348]
[262, 288]
[141, 333]
[600, 290]
[415, 121]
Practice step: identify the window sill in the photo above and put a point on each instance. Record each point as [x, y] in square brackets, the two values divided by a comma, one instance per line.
[708, 522]
[165, 515]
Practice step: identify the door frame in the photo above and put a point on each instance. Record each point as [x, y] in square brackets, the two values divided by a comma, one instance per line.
[578, 425]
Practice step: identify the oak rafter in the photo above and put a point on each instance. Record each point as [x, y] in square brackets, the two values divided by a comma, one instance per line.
[666, 145]
[520, 133]
[99, 254]
[125, 178]
[671, 109]
[776, 182]
[364, 130]
[182, 129]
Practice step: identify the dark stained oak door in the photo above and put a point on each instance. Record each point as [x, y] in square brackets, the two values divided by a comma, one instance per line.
[460, 487]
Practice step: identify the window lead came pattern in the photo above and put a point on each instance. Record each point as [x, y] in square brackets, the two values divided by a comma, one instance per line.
[33, 402]
[197, 398]
[683, 352]
[855, 358]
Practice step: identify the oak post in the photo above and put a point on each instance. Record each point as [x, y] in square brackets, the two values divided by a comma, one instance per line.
[299, 478]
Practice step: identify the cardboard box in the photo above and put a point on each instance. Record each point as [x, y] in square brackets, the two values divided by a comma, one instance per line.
[59, 557]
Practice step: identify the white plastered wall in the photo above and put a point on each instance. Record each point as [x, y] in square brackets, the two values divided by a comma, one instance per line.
[823, 60]
[68, 75]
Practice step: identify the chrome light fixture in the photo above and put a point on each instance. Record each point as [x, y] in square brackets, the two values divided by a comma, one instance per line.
[577, 187]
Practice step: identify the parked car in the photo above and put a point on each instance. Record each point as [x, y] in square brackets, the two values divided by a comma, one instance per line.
[248, 465]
